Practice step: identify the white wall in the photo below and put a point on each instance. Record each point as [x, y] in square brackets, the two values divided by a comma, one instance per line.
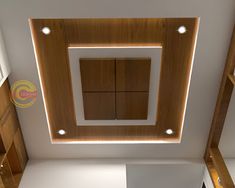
[73, 174]
[230, 163]
[165, 176]
[113, 174]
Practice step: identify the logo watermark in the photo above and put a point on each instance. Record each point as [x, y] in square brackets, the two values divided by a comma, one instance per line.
[23, 93]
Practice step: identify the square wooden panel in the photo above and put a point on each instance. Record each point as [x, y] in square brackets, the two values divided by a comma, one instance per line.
[99, 106]
[176, 65]
[132, 74]
[97, 74]
[132, 105]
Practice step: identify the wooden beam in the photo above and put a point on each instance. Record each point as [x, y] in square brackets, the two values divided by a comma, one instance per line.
[221, 168]
[222, 104]
[213, 174]
[223, 100]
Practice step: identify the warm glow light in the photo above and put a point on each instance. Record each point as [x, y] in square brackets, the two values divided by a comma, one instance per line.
[46, 30]
[97, 47]
[169, 131]
[190, 75]
[182, 29]
[120, 142]
[62, 132]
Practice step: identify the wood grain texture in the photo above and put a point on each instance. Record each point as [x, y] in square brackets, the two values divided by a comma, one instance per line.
[115, 32]
[20, 149]
[99, 106]
[9, 128]
[51, 52]
[13, 160]
[97, 74]
[221, 168]
[222, 104]
[223, 100]
[6, 174]
[12, 145]
[213, 174]
[132, 105]
[133, 74]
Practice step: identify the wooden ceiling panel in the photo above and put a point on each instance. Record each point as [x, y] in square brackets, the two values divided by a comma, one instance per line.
[53, 63]
[133, 74]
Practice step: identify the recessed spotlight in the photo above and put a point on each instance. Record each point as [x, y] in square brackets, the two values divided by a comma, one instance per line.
[46, 30]
[182, 29]
[62, 132]
[169, 131]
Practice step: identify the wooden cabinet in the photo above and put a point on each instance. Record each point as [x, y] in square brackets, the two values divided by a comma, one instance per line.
[115, 88]
[20, 149]
[13, 156]
[4, 65]
[9, 127]
[6, 174]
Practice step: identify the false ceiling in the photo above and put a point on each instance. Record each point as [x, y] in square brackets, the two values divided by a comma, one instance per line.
[176, 36]
[216, 23]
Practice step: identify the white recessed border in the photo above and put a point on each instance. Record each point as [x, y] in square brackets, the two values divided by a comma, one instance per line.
[75, 53]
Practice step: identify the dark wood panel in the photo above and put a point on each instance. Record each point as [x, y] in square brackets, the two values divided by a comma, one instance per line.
[133, 74]
[20, 149]
[97, 74]
[132, 105]
[13, 160]
[98, 106]
[6, 174]
[9, 128]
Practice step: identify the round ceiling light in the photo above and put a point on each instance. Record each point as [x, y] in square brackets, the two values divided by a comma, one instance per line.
[182, 29]
[169, 131]
[62, 132]
[46, 30]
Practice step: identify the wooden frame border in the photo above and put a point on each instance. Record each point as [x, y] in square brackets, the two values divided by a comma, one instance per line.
[52, 59]
[213, 157]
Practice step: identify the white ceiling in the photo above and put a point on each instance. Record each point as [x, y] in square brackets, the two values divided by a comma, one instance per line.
[217, 19]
